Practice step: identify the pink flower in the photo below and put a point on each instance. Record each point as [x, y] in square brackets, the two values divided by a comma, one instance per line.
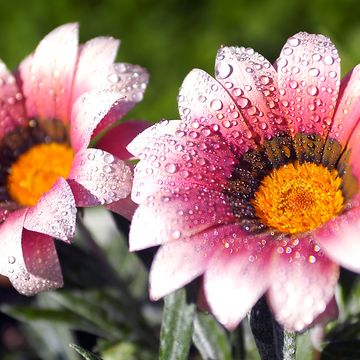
[256, 187]
[61, 97]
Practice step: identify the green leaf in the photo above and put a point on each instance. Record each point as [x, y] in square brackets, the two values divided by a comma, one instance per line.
[86, 354]
[210, 338]
[177, 327]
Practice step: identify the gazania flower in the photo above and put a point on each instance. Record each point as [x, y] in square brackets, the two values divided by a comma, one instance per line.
[257, 186]
[61, 96]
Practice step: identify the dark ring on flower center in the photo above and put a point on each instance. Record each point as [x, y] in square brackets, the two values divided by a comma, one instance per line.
[19, 141]
[256, 164]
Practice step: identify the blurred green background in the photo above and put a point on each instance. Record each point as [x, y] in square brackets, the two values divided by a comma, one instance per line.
[171, 37]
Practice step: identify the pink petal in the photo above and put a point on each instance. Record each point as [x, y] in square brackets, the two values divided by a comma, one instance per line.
[348, 111]
[55, 212]
[99, 178]
[238, 275]
[90, 110]
[171, 216]
[303, 282]
[204, 102]
[178, 262]
[12, 112]
[124, 207]
[173, 157]
[251, 81]
[116, 139]
[95, 54]
[47, 76]
[130, 80]
[339, 238]
[309, 71]
[28, 259]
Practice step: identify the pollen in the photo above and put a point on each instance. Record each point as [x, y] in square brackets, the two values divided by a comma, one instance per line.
[37, 170]
[296, 198]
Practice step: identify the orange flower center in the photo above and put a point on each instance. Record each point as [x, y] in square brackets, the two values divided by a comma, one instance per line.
[298, 197]
[37, 170]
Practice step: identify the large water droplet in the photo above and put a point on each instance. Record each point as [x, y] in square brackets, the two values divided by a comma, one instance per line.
[216, 104]
[312, 90]
[224, 70]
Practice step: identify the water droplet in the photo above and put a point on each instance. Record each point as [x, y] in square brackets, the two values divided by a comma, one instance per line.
[114, 78]
[11, 259]
[243, 102]
[170, 168]
[216, 105]
[265, 80]
[312, 90]
[224, 70]
[314, 72]
[293, 41]
[91, 156]
[247, 134]
[312, 259]
[293, 84]
[109, 158]
[176, 234]
[328, 60]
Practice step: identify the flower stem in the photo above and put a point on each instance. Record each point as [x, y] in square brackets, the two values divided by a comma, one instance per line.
[272, 340]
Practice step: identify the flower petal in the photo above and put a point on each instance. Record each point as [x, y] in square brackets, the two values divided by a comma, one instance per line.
[47, 80]
[12, 112]
[179, 262]
[95, 54]
[303, 282]
[172, 157]
[348, 111]
[340, 240]
[204, 102]
[238, 275]
[28, 259]
[171, 216]
[90, 110]
[251, 81]
[55, 213]
[309, 72]
[124, 207]
[99, 178]
[115, 140]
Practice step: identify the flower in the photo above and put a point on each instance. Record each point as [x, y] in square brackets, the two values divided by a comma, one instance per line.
[60, 97]
[256, 187]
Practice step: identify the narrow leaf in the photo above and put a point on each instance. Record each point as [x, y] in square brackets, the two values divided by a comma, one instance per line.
[86, 354]
[210, 338]
[177, 327]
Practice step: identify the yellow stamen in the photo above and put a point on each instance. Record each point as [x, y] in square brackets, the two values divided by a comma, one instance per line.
[298, 197]
[36, 171]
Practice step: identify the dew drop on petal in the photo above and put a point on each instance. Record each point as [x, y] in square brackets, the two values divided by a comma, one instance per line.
[216, 105]
[224, 70]
[314, 72]
[312, 90]
[170, 168]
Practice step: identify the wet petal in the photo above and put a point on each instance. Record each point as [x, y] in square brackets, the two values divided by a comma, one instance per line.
[171, 216]
[124, 207]
[90, 110]
[116, 139]
[238, 275]
[95, 54]
[348, 111]
[251, 81]
[204, 102]
[47, 79]
[97, 177]
[172, 157]
[55, 213]
[12, 112]
[29, 259]
[179, 262]
[303, 282]
[340, 240]
[309, 71]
